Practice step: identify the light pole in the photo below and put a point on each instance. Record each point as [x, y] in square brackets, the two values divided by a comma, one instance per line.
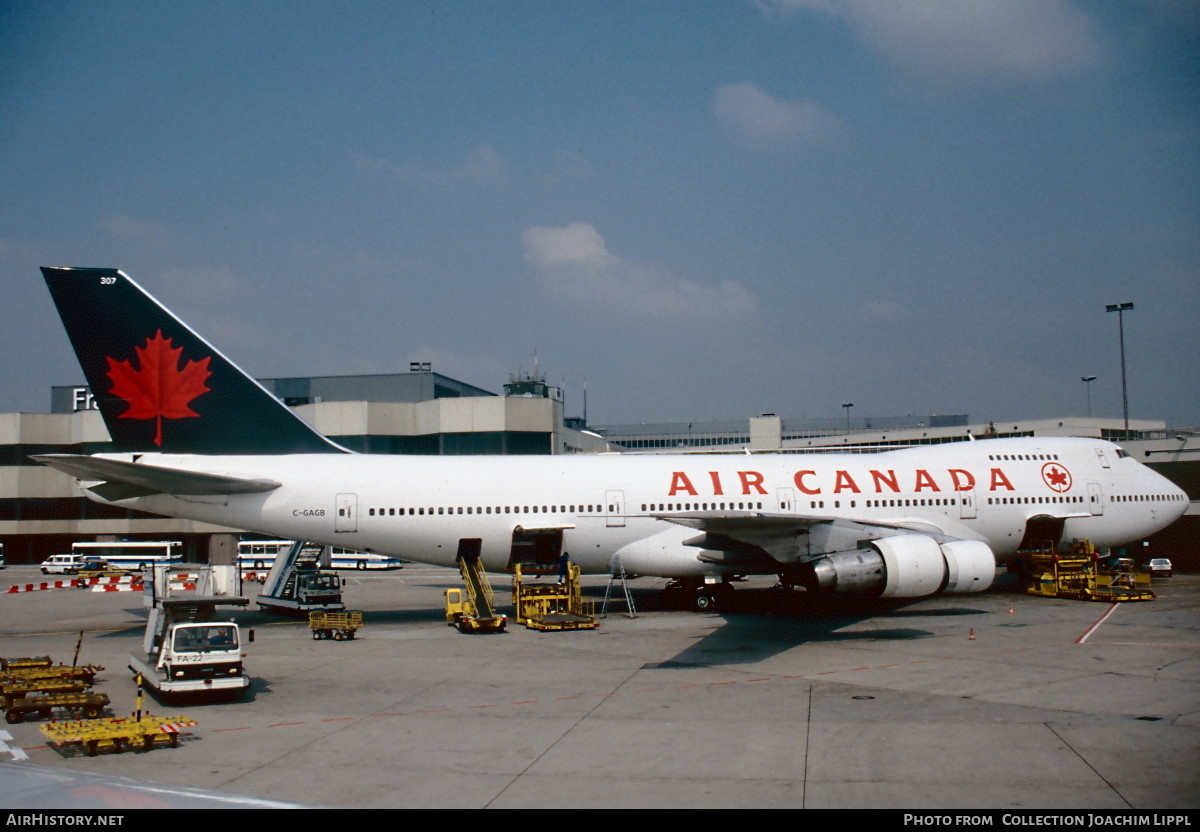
[1087, 381]
[1120, 309]
[847, 405]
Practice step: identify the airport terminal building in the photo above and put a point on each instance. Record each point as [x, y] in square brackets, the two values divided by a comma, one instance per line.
[423, 412]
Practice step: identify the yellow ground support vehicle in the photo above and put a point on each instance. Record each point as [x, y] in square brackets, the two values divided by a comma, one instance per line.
[335, 625]
[25, 661]
[117, 733]
[1077, 575]
[552, 606]
[81, 704]
[13, 691]
[85, 673]
[474, 613]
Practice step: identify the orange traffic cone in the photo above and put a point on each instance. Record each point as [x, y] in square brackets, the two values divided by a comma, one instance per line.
[1011, 611]
[971, 637]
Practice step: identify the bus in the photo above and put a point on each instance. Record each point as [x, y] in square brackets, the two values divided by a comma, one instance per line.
[261, 554]
[130, 554]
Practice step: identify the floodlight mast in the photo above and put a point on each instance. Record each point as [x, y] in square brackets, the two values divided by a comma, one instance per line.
[1121, 309]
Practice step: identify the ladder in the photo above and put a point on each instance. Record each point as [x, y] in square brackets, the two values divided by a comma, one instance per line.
[616, 571]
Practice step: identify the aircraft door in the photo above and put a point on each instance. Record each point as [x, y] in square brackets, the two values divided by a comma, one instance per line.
[1042, 532]
[346, 519]
[614, 508]
[1095, 499]
[537, 550]
[787, 500]
[966, 504]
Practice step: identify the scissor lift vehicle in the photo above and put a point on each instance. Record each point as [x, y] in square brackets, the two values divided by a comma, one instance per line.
[552, 606]
[1077, 575]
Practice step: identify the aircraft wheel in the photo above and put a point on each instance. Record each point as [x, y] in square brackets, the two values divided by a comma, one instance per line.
[703, 602]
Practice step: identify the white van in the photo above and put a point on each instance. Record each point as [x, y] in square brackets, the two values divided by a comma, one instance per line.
[62, 564]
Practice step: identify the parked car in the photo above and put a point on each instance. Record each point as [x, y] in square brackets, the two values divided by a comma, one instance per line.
[1160, 568]
[62, 564]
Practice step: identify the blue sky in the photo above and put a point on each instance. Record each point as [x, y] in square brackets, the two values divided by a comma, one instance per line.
[708, 210]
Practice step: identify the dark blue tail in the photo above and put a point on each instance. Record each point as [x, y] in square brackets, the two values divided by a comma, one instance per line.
[159, 385]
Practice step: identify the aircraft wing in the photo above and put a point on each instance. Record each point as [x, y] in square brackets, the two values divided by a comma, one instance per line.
[120, 480]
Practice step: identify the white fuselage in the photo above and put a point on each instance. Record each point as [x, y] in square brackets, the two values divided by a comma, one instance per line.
[419, 507]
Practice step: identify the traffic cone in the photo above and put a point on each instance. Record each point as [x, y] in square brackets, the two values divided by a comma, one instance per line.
[971, 637]
[1011, 611]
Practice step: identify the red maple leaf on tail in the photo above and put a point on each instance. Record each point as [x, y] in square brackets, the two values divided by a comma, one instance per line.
[159, 389]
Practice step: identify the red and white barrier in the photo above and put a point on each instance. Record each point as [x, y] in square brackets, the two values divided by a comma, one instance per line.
[122, 583]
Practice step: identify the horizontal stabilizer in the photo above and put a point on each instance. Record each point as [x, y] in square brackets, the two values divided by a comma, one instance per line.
[130, 479]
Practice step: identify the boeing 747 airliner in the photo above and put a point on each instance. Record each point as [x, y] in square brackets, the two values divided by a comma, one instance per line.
[198, 438]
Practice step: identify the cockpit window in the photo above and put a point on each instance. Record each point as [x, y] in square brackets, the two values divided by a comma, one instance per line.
[1122, 453]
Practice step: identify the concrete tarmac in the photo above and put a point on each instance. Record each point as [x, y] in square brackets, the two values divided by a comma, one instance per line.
[991, 701]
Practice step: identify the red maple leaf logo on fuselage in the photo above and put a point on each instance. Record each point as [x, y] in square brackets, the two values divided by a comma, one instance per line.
[159, 389]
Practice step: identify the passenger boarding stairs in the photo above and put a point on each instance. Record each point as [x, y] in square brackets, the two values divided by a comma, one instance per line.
[478, 587]
[296, 583]
[281, 580]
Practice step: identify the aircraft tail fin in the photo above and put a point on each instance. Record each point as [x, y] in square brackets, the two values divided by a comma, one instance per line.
[158, 384]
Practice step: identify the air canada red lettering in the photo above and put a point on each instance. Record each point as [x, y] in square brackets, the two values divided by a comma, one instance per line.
[1000, 481]
[811, 481]
[963, 480]
[925, 481]
[680, 482]
[845, 482]
[889, 480]
[751, 479]
[799, 480]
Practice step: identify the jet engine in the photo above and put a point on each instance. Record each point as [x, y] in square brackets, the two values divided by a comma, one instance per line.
[904, 566]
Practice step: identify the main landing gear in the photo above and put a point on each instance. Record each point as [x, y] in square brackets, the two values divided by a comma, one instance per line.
[694, 594]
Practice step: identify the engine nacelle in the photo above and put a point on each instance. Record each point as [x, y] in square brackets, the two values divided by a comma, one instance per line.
[904, 566]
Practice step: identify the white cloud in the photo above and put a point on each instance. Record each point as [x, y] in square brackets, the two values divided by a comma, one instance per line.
[573, 263]
[125, 227]
[963, 42]
[578, 244]
[483, 165]
[761, 120]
